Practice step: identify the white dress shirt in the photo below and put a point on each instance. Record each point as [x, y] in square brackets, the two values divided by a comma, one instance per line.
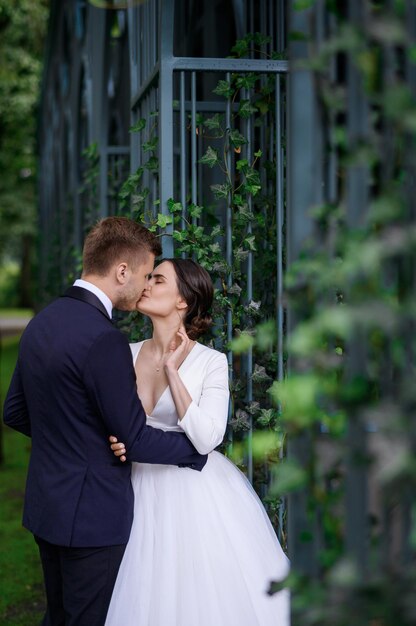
[97, 292]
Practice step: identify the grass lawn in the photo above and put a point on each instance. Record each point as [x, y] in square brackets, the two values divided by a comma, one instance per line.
[21, 597]
[16, 312]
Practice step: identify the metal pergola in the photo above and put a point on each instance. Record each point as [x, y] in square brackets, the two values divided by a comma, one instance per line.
[106, 70]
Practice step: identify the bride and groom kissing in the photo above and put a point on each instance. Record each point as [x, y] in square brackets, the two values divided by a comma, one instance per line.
[155, 528]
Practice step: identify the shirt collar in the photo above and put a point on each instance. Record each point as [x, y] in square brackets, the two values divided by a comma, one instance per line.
[97, 292]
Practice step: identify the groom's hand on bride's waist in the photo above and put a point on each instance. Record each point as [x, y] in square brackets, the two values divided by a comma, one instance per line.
[118, 448]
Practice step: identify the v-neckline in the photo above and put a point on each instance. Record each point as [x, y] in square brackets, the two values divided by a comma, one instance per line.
[167, 386]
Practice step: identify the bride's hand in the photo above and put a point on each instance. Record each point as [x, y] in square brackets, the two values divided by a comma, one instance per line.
[177, 354]
[118, 448]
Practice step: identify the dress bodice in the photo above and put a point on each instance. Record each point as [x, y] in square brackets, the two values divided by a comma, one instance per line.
[204, 373]
[164, 415]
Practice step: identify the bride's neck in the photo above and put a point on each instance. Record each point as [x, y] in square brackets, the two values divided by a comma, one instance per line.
[164, 333]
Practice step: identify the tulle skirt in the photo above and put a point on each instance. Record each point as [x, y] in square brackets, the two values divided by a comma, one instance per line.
[202, 552]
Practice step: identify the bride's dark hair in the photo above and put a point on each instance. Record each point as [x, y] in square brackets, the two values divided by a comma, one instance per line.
[196, 288]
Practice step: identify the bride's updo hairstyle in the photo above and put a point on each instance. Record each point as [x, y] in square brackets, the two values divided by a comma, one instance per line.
[196, 288]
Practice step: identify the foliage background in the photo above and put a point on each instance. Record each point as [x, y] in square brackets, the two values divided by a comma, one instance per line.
[22, 34]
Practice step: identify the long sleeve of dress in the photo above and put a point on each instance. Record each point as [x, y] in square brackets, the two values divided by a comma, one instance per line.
[205, 422]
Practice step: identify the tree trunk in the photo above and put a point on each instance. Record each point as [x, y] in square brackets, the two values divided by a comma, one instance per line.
[26, 276]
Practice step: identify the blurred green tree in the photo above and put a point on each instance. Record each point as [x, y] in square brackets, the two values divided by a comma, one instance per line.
[22, 34]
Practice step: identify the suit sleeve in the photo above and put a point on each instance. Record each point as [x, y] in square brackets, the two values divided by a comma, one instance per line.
[205, 423]
[110, 380]
[15, 413]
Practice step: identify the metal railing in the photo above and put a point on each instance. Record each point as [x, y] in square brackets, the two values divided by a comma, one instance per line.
[172, 94]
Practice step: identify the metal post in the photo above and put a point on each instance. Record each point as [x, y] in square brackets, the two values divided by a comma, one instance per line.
[303, 192]
[357, 200]
[166, 8]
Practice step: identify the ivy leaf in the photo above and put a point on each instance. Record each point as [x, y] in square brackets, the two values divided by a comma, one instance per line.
[246, 109]
[260, 39]
[241, 420]
[266, 443]
[260, 375]
[130, 184]
[240, 49]
[297, 397]
[263, 106]
[220, 266]
[252, 176]
[245, 213]
[195, 210]
[221, 191]
[213, 123]
[246, 81]
[235, 289]
[238, 199]
[298, 35]
[180, 235]
[266, 417]
[210, 157]
[217, 231]
[266, 335]
[174, 207]
[152, 164]
[124, 193]
[253, 407]
[252, 189]
[242, 164]
[163, 220]
[258, 154]
[412, 53]
[139, 199]
[242, 343]
[149, 146]
[91, 152]
[253, 184]
[301, 5]
[250, 243]
[224, 88]
[240, 254]
[215, 247]
[138, 126]
[254, 306]
[197, 231]
[288, 476]
[237, 139]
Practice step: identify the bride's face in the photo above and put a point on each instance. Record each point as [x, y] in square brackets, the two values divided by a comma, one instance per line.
[161, 297]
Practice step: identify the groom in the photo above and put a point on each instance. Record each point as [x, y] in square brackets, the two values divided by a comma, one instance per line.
[74, 385]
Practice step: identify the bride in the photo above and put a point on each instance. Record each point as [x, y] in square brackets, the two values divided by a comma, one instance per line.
[202, 550]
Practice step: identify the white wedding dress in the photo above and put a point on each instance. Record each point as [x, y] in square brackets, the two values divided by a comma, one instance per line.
[202, 551]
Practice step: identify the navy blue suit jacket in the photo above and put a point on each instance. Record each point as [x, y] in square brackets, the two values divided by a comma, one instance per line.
[74, 385]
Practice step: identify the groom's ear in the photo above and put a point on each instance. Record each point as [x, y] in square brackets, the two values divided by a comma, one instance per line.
[121, 271]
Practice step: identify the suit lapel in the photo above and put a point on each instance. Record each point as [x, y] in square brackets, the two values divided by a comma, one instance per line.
[86, 296]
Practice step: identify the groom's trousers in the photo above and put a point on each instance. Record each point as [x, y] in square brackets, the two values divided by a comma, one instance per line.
[78, 583]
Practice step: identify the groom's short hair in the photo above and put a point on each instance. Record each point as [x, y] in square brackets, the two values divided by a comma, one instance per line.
[116, 239]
